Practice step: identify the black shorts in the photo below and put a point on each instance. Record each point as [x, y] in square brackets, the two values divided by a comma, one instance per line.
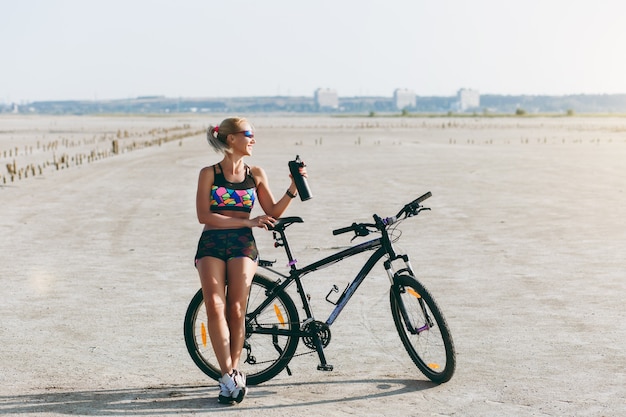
[227, 244]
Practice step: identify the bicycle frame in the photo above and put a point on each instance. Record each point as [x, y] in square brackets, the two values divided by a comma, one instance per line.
[297, 274]
[382, 246]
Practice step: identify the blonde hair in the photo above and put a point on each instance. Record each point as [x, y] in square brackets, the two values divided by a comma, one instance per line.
[216, 135]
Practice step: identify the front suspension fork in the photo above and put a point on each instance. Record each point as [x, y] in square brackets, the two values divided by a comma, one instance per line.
[398, 290]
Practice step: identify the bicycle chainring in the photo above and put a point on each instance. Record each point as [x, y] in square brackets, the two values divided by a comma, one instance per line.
[313, 327]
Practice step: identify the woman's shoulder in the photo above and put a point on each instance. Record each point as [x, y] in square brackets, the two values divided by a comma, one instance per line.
[256, 171]
[258, 175]
[208, 171]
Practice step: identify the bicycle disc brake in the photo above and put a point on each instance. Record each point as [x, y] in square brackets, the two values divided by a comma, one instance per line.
[313, 327]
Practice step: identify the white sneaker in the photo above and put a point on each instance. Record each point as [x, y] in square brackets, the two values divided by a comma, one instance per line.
[240, 382]
[227, 385]
[232, 388]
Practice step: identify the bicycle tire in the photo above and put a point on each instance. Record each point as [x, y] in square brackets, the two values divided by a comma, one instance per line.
[431, 348]
[269, 358]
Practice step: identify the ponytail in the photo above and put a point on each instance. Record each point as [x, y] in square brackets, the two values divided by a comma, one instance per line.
[216, 139]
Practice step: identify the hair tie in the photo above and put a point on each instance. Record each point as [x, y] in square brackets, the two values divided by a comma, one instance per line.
[216, 131]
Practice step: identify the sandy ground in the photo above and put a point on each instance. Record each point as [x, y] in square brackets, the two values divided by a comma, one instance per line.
[523, 250]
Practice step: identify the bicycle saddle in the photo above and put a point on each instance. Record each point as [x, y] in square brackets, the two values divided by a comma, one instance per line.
[283, 222]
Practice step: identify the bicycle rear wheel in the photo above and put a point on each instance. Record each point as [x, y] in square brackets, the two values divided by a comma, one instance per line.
[264, 354]
[422, 329]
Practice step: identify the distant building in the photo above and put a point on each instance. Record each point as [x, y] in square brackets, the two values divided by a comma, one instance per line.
[326, 98]
[467, 99]
[404, 98]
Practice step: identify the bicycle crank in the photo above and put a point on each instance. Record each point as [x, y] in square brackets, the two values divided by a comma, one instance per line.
[316, 327]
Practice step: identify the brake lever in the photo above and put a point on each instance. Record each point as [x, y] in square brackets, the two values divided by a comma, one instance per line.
[360, 232]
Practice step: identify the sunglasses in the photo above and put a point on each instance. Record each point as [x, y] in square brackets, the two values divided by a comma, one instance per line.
[247, 133]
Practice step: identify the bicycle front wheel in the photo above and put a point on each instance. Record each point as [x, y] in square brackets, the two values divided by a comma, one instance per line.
[271, 334]
[422, 329]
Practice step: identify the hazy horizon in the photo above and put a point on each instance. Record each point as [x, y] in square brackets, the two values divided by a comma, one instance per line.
[155, 96]
[74, 50]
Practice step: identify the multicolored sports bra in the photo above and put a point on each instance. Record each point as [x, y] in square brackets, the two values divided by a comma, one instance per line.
[232, 196]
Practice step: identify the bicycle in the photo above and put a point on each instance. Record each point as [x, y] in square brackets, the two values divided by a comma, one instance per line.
[274, 328]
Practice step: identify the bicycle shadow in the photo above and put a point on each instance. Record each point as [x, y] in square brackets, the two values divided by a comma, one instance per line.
[166, 400]
[378, 388]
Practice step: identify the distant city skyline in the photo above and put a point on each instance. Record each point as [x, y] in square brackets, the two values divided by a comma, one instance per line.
[97, 50]
[403, 102]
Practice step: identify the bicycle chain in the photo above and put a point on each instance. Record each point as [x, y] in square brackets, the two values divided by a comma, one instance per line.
[290, 358]
[323, 332]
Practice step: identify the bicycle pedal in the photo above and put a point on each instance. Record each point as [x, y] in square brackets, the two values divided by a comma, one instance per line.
[327, 367]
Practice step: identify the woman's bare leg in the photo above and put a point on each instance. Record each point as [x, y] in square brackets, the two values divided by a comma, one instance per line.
[212, 277]
[240, 273]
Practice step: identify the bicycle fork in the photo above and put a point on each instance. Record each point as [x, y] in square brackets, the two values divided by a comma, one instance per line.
[399, 290]
[392, 273]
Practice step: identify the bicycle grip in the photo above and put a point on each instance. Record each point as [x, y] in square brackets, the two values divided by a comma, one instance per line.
[424, 197]
[344, 229]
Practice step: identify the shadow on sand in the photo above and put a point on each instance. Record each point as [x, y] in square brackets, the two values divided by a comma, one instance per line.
[165, 400]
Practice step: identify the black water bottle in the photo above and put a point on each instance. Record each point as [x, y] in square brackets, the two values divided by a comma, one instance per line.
[301, 183]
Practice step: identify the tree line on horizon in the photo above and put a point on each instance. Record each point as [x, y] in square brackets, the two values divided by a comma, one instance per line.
[489, 104]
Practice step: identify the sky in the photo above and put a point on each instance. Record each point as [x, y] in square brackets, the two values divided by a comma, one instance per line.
[116, 49]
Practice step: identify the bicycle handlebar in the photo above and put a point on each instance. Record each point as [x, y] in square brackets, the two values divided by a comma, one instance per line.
[414, 205]
[410, 209]
[344, 229]
[359, 228]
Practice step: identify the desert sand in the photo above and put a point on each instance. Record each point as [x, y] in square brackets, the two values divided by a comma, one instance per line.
[524, 251]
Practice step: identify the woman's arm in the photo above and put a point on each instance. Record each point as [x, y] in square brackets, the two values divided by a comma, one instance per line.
[270, 206]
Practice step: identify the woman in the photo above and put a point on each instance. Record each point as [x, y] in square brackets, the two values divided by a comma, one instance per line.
[227, 254]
